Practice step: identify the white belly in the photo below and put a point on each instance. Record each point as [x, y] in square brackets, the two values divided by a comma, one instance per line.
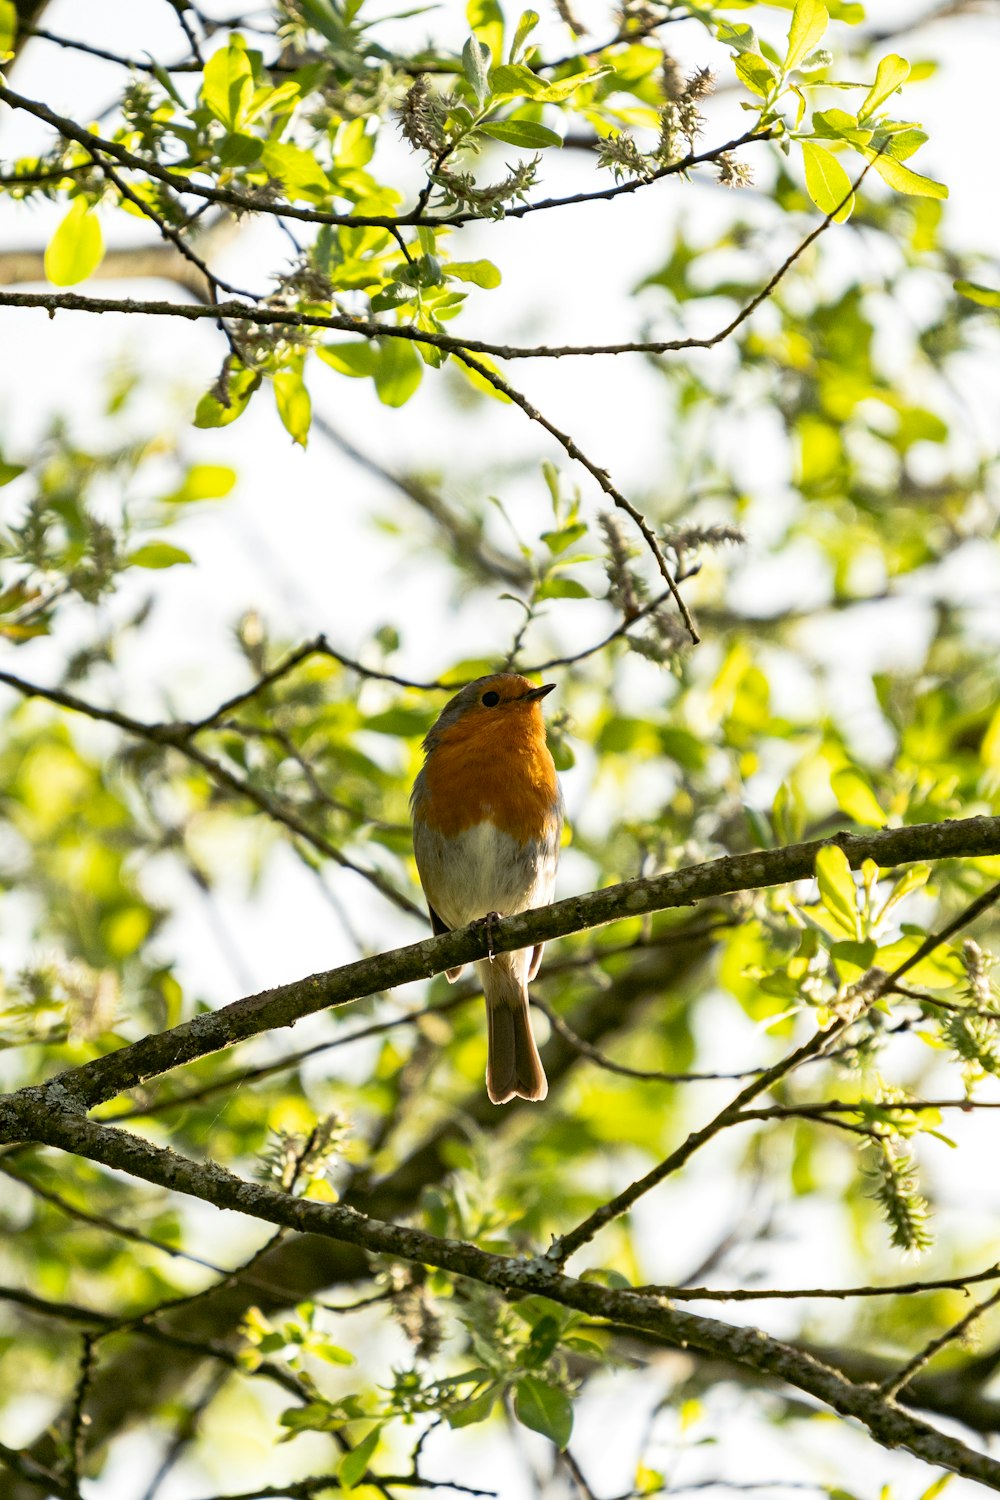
[482, 870]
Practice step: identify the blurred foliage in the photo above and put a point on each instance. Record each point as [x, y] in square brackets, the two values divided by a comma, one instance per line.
[784, 725]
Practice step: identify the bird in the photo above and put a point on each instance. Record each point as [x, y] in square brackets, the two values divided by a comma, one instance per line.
[487, 823]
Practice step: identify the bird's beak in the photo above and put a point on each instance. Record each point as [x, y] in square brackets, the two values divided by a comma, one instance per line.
[538, 692]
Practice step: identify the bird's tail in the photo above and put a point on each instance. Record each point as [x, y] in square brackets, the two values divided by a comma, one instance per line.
[513, 1068]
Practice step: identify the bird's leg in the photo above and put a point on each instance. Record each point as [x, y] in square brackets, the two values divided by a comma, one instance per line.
[489, 921]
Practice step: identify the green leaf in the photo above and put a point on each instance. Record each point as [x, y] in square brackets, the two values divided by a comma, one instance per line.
[293, 403]
[906, 181]
[282, 99]
[240, 150]
[398, 373]
[809, 21]
[514, 81]
[352, 1466]
[356, 360]
[853, 959]
[401, 722]
[903, 143]
[474, 1411]
[558, 541]
[856, 798]
[486, 387]
[203, 482]
[8, 28]
[986, 296]
[838, 125]
[756, 72]
[9, 472]
[827, 183]
[737, 34]
[476, 58]
[77, 247]
[525, 26]
[332, 1353]
[480, 272]
[544, 1408]
[936, 1487]
[212, 411]
[157, 555]
[892, 72]
[915, 878]
[562, 588]
[837, 890]
[299, 172]
[486, 19]
[524, 133]
[227, 88]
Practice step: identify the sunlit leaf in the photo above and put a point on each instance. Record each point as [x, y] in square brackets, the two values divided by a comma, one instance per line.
[892, 72]
[77, 247]
[828, 184]
[294, 406]
[158, 555]
[809, 21]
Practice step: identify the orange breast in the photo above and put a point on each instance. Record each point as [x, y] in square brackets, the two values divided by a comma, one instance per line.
[497, 771]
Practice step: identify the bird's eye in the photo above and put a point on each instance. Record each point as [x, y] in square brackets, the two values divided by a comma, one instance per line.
[491, 699]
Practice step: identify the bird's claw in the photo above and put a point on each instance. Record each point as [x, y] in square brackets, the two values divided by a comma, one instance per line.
[489, 921]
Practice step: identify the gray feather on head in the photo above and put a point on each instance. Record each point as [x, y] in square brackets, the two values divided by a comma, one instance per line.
[510, 687]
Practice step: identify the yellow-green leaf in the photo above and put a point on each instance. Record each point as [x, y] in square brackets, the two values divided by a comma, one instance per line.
[293, 403]
[986, 296]
[480, 272]
[398, 373]
[486, 19]
[856, 798]
[809, 21]
[350, 358]
[756, 72]
[916, 877]
[837, 890]
[227, 399]
[892, 71]
[158, 555]
[9, 472]
[299, 172]
[352, 1466]
[8, 28]
[525, 26]
[904, 180]
[827, 183]
[524, 133]
[480, 382]
[203, 482]
[77, 247]
[516, 81]
[228, 83]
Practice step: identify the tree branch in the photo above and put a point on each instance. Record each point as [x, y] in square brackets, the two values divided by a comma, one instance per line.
[32, 1114]
[104, 1077]
[178, 737]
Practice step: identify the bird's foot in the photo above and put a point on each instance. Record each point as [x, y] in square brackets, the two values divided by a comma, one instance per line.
[489, 921]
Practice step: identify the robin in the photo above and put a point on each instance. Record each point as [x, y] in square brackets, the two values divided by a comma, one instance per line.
[487, 816]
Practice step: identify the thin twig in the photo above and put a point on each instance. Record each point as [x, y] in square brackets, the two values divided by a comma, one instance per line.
[879, 984]
[891, 1388]
[176, 736]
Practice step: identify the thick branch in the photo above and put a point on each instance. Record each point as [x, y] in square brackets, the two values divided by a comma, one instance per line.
[30, 1114]
[107, 1076]
[144, 1376]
